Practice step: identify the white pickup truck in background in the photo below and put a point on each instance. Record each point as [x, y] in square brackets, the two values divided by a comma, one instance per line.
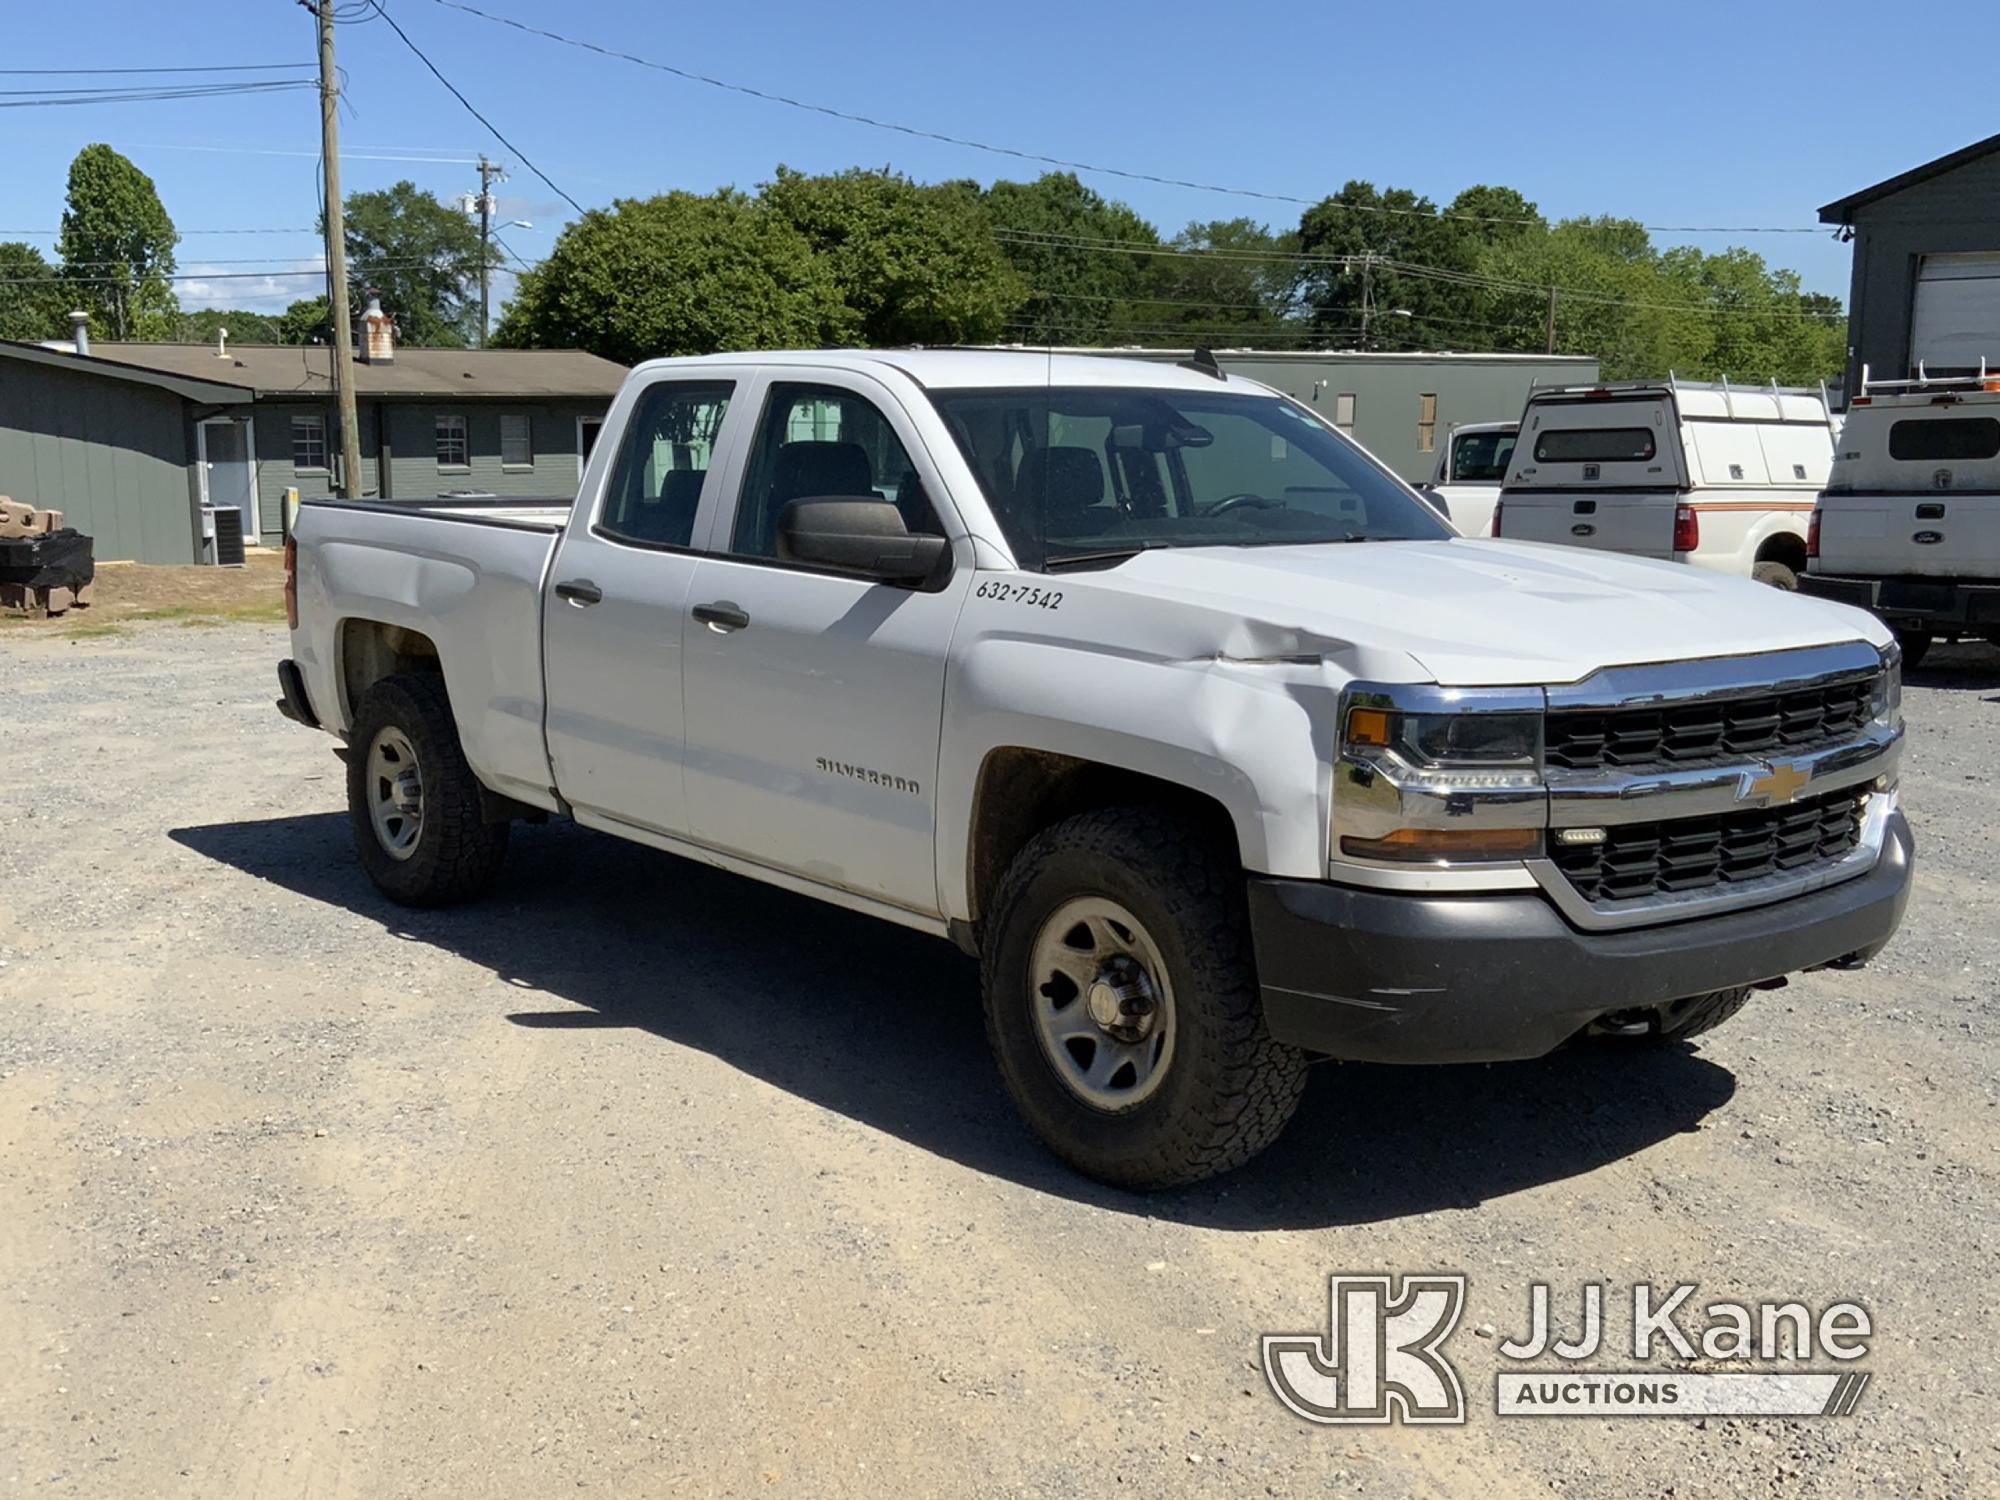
[1148, 688]
[1909, 523]
[1465, 481]
[1720, 476]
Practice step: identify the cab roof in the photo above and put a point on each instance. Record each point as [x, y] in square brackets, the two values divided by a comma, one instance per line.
[982, 369]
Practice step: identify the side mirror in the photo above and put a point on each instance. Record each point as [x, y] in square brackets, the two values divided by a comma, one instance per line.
[865, 537]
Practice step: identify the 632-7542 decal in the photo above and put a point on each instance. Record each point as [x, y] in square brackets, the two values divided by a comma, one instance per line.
[1019, 593]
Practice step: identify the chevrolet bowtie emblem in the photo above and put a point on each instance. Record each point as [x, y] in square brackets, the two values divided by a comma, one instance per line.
[1779, 784]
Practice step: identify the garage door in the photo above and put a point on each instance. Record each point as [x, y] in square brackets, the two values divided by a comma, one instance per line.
[1957, 321]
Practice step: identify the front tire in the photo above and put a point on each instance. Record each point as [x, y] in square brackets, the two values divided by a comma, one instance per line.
[419, 828]
[1678, 1020]
[1122, 1002]
[1914, 643]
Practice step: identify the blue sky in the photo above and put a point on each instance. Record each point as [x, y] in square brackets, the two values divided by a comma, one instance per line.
[1704, 113]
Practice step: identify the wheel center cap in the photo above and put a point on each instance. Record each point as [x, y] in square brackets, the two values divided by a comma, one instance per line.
[1121, 1003]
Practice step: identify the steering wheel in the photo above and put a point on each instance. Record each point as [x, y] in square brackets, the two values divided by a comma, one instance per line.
[1246, 497]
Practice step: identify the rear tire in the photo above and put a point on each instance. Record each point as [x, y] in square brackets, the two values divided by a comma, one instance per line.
[1152, 1067]
[419, 828]
[1914, 643]
[1778, 575]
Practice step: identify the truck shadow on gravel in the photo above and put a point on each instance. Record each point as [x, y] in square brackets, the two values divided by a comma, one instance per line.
[883, 1026]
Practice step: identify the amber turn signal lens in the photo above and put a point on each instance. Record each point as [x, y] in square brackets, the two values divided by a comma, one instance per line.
[1418, 844]
[1368, 726]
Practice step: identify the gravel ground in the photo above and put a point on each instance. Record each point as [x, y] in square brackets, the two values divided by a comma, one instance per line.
[642, 1178]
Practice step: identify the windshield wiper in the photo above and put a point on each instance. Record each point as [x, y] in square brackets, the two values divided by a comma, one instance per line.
[1108, 555]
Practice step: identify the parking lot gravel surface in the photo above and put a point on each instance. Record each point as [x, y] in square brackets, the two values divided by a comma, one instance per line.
[644, 1179]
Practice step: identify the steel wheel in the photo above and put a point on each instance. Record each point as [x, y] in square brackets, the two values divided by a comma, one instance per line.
[1103, 1006]
[395, 793]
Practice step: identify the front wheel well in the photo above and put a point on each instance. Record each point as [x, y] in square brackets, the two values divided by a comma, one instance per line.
[1021, 792]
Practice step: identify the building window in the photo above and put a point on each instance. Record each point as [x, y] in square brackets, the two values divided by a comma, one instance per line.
[1427, 424]
[517, 441]
[309, 443]
[1343, 411]
[452, 451]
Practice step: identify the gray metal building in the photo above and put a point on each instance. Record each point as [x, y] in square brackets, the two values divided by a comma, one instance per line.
[1926, 283]
[131, 441]
[1398, 406]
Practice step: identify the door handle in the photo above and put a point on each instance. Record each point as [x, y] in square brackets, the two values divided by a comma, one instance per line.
[580, 592]
[721, 616]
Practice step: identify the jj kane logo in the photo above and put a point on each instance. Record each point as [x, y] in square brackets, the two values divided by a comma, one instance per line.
[1382, 1356]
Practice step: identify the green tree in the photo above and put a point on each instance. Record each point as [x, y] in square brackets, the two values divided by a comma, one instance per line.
[243, 327]
[32, 299]
[1228, 283]
[423, 256]
[118, 247]
[1356, 289]
[677, 274]
[914, 264]
[1081, 256]
[306, 321]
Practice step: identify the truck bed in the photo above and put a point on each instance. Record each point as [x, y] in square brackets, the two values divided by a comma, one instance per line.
[460, 575]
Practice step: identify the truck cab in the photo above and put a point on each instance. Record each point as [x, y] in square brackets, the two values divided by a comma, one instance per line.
[1465, 481]
[1717, 476]
[1909, 522]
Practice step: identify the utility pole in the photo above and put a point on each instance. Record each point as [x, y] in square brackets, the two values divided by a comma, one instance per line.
[336, 258]
[489, 173]
[1367, 287]
[1552, 322]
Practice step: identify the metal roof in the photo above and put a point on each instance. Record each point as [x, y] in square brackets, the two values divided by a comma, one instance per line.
[305, 370]
[1841, 210]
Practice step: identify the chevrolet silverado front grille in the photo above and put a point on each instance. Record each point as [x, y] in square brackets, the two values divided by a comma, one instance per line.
[1645, 861]
[1708, 731]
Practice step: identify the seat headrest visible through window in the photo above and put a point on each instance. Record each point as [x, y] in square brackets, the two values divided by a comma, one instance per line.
[1062, 480]
[812, 469]
[681, 488]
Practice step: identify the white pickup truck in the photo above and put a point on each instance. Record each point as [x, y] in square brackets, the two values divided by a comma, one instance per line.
[1717, 476]
[1211, 741]
[1465, 481]
[1909, 523]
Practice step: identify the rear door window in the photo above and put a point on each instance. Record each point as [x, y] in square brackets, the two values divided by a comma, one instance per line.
[1929, 439]
[656, 487]
[1591, 445]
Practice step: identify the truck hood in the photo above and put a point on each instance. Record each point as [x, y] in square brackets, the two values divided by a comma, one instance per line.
[1485, 613]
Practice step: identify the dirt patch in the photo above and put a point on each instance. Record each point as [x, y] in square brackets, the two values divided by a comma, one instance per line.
[125, 592]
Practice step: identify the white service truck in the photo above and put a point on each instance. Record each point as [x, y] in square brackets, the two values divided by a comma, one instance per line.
[1465, 481]
[1719, 476]
[1148, 688]
[1909, 523]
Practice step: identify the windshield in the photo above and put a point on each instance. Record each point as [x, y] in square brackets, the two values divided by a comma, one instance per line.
[1078, 473]
[1481, 457]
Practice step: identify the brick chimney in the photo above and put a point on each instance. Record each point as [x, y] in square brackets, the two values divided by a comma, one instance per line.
[377, 344]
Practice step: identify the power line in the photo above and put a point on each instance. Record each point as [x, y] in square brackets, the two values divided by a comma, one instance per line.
[1052, 161]
[201, 68]
[57, 278]
[59, 99]
[183, 233]
[471, 109]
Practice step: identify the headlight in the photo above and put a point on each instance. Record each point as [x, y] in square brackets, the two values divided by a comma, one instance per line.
[1438, 776]
[1430, 741]
[1885, 702]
